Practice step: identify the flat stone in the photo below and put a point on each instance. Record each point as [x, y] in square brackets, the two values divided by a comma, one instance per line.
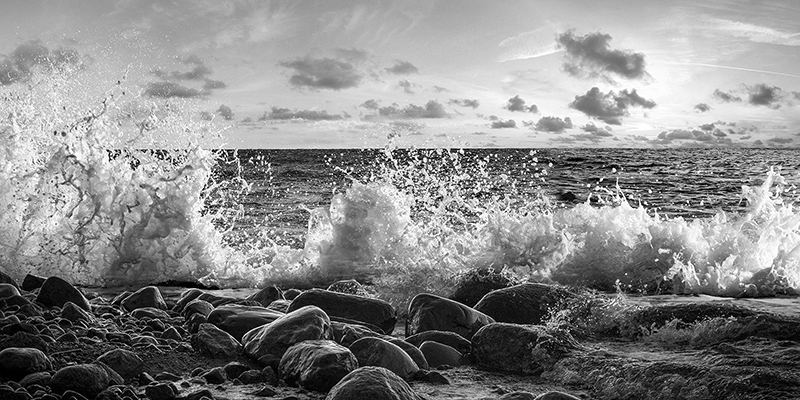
[372, 383]
[306, 323]
[430, 312]
[368, 310]
[316, 364]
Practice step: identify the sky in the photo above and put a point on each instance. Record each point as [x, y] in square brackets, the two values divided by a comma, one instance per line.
[514, 73]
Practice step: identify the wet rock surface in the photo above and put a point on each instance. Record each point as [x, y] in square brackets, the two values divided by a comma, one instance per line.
[689, 349]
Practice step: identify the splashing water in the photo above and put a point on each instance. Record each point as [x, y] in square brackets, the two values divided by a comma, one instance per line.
[84, 198]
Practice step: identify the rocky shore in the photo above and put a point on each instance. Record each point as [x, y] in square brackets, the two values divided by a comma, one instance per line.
[498, 341]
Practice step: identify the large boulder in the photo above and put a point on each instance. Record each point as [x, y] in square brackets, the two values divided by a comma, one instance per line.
[438, 354]
[201, 307]
[307, 323]
[316, 364]
[148, 296]
[238, 319]
[431, 312]
[185, 298]
[86, 379]
[527, 303]
[529, 349]
[372, 383]
[73, 313]
[16, 362]
[55, 292]
[345, 334]
[124, 362]
[412, 351]
[358, 308]
[212, 341]
[474, 284]
[8, 290]
[451, 339]
[372, 351]
[32, 282]
[6, 278]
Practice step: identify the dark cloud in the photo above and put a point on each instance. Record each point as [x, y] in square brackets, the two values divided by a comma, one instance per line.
[277, 113]
[597, 131]
[591, 56]
[19, 65]
[474, 103]
[210, 84]
[225, 112]
[518, 104]
[702, 107]
[610, 107]
[501, 124]
[171, 89]
[707, 127]
[553, 124]
[323, 73]
[406, 85]
[432, 109]
[439, 89]
[764, 95]
[693, 138]
[726, 97]
[370, 104]
[778, 140]
[401, 67]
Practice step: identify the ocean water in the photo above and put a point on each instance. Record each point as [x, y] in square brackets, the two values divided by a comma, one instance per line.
[89, 193]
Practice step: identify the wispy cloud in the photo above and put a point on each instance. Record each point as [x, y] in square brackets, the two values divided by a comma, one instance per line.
[756, 33]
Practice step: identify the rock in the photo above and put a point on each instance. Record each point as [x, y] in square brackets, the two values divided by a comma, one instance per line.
[201, 307]
[438, 354]
[86, 379]
[555, 395]
[55, 292]
[215, 342]
[346, 334]
[124, 362]
[527, 303]
[266, 295]
[215, 376]
[161, 391]
[234, 369]
[8, 290]
[73, 313]
[16, 362]
[149, 312]
[529, 349]
[451, 339]
[520, 395]
[237, 319]
[290, 294]
[412, 351]
[186, 297]
[434, 377]
[280, 305]
[371, 351]
[430, 312]
[371, 311]
[372, 383]
[32, 282]
[316, 364]
[148, 296]
[6, 278]
[473, 285]
[266, 391]
[306, 323]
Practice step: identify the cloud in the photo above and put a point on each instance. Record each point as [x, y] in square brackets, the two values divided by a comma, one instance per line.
[591, 56]
[610, 107]
[171, 89]
[323, 73]
[277, 113]
[501, 124]
[702, 107]
[432, 109]
[353, 55]
[370, 104]
[757, 33]
[439, 89]
[553, 124]
[725, 97]
[693, 138]
[406, 85]
[401, 67]
[474, 103]
[19, 65]
[225, 112]
[597, 131]
[518, 104]
[778, 140]
[764, 95]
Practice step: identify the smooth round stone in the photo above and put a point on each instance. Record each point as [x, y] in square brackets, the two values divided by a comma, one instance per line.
[125, 362]
[451, 339]
[358, 308]
[372, 351]
[16, 362]
[86, 379]
[527, 303]
[372, 383]
[430, 312]
[316, 364]
[55, 292]
[439, 354]
[306, 323]
[8, 290]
